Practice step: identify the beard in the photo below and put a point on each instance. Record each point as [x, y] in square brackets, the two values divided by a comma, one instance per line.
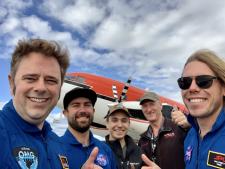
[80, 127]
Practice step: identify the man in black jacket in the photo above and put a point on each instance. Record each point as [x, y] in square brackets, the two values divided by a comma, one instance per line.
[128, 154]
[163, 141]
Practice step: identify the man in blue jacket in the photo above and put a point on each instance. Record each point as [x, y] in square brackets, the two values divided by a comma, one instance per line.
[37, 70]
[26, 140]
[203, 90]
[79, 110]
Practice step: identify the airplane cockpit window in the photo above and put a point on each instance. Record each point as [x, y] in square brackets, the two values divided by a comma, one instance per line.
[166, 110]
[75, 79]
[137, 114]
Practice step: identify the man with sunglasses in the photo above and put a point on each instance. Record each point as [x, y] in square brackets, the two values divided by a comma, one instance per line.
[203, 91]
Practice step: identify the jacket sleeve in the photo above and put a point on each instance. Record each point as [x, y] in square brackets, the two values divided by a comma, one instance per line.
[4, 146]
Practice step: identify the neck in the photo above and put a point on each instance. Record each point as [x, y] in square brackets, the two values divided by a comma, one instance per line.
[157, 125]
[40, 126]
[122, 141]
[83, 138]
[205, 123]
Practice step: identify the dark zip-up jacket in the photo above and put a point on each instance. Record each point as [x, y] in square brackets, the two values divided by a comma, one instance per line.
[168, 152]
[133, 153]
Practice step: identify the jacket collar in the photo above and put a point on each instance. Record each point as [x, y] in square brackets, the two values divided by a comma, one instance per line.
[218, 123]
[70, 139]
[10, 113]
[130, 144]
[166, 127]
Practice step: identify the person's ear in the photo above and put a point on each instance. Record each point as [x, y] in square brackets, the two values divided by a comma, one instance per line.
[65, 112]
[12, 85]
[223, 91]
[107, 123]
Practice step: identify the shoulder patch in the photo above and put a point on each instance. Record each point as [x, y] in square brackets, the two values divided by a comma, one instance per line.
[26, 157]
[101, 160]
[188, 154]
[64, 162]
[216, 159]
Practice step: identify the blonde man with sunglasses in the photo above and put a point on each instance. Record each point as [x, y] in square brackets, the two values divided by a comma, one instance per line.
[203, 91]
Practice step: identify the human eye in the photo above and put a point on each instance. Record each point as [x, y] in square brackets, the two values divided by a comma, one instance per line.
[114, 120]
[124, 120]
[144, 107]
[88, 105]
[51, 81]
[29, 79]
[75, 105]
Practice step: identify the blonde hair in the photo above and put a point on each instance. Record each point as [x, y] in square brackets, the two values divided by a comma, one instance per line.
[215, 63]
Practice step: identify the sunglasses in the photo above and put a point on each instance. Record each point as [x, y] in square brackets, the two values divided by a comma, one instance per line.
[202, 81]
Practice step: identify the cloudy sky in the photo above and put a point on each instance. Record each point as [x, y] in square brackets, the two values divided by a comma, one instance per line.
[148, 39]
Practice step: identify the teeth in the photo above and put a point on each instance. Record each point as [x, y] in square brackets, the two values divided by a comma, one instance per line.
[38, 100]
[120, 131]
[196, 100]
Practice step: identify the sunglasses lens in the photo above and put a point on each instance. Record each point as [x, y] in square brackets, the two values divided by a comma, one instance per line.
[204, 81]
[184, 82]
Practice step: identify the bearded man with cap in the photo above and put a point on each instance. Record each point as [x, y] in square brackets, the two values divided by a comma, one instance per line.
[78, 139]
[163, 141]
[128, 154]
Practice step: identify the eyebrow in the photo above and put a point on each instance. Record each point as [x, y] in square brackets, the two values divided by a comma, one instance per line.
[37, 75]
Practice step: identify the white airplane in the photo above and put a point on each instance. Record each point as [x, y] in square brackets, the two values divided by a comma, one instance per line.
[103, 87]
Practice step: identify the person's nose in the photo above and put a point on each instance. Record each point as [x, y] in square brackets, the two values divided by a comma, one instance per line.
[194, 87]
[148, 110]
[40, 86]
[119, 123]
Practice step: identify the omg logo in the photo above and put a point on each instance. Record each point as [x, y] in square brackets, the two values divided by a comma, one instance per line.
[26, 157]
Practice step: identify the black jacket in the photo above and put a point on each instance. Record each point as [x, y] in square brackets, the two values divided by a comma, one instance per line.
[168, 151]
[133, 153]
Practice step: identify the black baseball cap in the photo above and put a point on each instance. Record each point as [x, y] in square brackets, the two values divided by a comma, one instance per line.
[79, 92]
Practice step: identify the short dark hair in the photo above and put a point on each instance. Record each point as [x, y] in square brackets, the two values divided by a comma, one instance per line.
[47, 48]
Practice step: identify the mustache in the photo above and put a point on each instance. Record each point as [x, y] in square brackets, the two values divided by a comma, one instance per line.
[82, 114]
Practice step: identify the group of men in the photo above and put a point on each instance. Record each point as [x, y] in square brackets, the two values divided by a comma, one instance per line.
[37, 71]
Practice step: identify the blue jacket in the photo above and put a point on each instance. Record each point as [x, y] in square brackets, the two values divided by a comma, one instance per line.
[77, 153]
[209, 152]
[23, 145]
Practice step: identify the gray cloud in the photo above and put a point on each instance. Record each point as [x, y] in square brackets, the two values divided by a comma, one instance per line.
[147, 39]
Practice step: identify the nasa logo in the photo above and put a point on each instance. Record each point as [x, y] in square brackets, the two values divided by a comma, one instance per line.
[188, 153]
[26, 157]
[101, 160]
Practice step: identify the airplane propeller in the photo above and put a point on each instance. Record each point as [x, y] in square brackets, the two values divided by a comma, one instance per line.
[124, 91]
